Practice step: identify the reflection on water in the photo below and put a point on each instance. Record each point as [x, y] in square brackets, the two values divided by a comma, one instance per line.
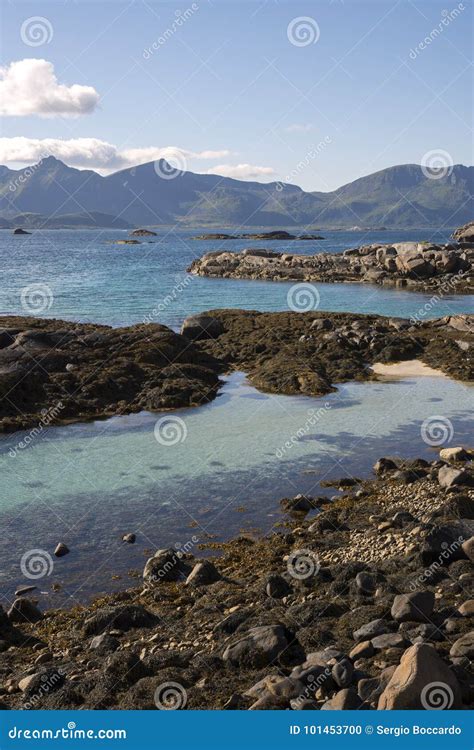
[89, 484]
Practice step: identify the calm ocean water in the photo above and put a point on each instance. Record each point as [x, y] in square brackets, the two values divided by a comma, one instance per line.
[87, 484]
[92, 279]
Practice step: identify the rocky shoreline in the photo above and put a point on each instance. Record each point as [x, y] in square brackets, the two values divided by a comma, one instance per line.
[418, 266]
[364, 601]
[56, 372]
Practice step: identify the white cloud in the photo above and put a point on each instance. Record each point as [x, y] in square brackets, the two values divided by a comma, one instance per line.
[242, 171]
[30, 87]
[93, 153]
[299, 128]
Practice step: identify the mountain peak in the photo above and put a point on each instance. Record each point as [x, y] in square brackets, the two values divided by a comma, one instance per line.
[51, 161]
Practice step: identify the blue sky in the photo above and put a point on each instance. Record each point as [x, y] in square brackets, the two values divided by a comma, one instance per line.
[231, 91]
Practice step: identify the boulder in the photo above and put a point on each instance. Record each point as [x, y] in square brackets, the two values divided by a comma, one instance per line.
[453, 454]
[202, 327]
[363, 650]
[104, 643]
[276, 587]
[421, 681]
[61, 550]
[467, 608]
[464, 646]
[414, 607]
[344, 700]
[443, 544]
[42, 683]
[371, 630]
[24, 610]
[464, 234]
[165, 565]
[203, 573]
[343, 672]
[448, 476]
[259, 647]
[388, 640]
[123, 617]
[299, 503]
[365, 583]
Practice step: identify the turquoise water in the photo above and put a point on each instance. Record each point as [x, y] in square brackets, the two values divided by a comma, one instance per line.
[92, 279]
[88, 484]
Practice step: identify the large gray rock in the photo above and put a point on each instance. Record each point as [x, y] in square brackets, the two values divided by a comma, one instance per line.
[465, 234]
[453, 454]
[344, 700]
[123, 617]
[24, 610]
[388, 640]
[449, 476]
[464, 646]
[371, 630]
[342, 673]
[202, 327]
[443, 543]
[414, 607]
[165, 565]
[421, 681]
[259, 647]
[203, 573]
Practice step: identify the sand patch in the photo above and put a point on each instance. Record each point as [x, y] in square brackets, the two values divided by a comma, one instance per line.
[411, 368]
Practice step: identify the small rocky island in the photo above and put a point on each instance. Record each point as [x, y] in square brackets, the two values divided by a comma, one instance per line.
[364, 602]
[421, 266]
[275, 235]
[142, 233]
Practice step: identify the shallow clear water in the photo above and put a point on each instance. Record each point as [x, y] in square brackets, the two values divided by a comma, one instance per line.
[88, 484]
[92, 279]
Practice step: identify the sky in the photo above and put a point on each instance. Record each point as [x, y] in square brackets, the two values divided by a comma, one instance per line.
[314, 93]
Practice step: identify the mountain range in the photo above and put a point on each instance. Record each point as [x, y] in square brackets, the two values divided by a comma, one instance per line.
[154, 194]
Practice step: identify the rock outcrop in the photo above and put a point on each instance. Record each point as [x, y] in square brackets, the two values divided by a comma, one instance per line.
[55, 371]
[413, 265]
